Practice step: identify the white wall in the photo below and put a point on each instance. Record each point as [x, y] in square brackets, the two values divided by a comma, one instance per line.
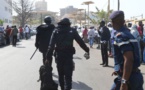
[6, 12]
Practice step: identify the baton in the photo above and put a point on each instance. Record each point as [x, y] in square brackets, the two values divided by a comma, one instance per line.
[33, 53]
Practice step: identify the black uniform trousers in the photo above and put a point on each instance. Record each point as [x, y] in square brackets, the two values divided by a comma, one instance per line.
[65, 69]
[104, 53]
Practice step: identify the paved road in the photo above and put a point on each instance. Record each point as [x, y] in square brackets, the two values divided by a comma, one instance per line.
[18, 72]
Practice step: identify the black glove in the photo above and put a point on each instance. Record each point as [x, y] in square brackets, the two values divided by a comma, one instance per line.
[87, 55]
[36, 45]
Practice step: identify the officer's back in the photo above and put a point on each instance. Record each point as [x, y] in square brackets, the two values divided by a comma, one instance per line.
[43, 36]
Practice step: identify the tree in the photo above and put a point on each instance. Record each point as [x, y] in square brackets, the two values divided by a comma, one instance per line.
[1, 22]
[23, 8]
[100, 15]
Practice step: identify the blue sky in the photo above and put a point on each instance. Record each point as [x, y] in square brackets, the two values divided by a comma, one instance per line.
[130, 7]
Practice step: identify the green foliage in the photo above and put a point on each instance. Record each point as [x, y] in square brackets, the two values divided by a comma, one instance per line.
[100, 15]
[1, 22]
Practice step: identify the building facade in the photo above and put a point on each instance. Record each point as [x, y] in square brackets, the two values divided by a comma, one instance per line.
[6, 12]
[41, 5]
[67, 10]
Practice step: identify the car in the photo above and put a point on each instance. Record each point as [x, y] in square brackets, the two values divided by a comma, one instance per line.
[2, 37]
[33, 32]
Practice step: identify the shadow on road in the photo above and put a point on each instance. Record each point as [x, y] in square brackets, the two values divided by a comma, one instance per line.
[3, 46]
[21, 47]
[19, 44]
[76, 57]
[80, 86]
[110, 66]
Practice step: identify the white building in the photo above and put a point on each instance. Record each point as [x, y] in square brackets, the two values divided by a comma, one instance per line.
[6, 12]
[41, 5]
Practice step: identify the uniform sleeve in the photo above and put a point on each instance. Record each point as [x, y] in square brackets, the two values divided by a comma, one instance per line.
[80, 41]
[124, 44]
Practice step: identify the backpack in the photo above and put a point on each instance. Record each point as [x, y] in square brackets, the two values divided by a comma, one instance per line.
[47, 83]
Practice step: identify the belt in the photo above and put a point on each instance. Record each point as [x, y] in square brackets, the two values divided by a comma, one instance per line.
[135, 70]
[120, 72]
[103, 41]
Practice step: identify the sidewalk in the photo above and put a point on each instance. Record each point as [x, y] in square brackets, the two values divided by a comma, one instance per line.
[89, 74]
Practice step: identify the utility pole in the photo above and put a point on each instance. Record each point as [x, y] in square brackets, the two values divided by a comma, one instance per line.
[118, 4]
[88, 3]
[41, 18]
[142, 16]
[80, 16]
[85, 16]
[108, 10]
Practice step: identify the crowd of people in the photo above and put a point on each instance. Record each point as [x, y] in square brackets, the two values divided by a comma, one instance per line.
[13, 34]
[115, 40]
[98, 36]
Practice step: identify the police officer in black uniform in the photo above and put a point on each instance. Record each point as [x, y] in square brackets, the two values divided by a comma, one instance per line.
[105, 37]
[62, 41]
[126, 55]
[43, 36]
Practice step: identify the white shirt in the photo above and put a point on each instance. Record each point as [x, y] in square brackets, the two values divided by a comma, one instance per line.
[91, 33]
[26, 30]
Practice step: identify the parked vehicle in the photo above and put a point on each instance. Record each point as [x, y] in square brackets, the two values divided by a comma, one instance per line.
[33, 32]
[2, 37]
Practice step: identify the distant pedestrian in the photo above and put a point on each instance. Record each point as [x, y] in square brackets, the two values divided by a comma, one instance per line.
[85, 35]
[110, 44]
[105, 37]
[27, 31]
[21, 32]
[141, 30]
[14, 33]
[8, 31]
[126, 55]
[91, 35]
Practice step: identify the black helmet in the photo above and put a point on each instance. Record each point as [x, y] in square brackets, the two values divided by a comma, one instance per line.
[47, 19]
[64, 21]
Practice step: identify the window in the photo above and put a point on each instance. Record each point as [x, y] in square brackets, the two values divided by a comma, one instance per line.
[6, 8]
[6, 20]
[10, 10]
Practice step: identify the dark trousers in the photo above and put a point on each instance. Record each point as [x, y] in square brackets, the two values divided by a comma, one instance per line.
[65, 70]
[104, 53]
[109, 45]
[14, 40]
[98, 41]
[21, 35]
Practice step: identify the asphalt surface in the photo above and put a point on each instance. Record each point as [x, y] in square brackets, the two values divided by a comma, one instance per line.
[18, 72]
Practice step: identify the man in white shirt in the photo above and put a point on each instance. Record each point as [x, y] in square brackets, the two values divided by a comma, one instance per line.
[27, 30]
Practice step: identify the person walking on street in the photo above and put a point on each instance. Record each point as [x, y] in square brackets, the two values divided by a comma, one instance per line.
[140, 30]
[27, 32]
[136, 35]
[62, 41]
[126, 55]
[14, 33]
[8, 32]
[105, 37]
[85, 35]
[21, 32]
[43, 36]
[91, 35]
